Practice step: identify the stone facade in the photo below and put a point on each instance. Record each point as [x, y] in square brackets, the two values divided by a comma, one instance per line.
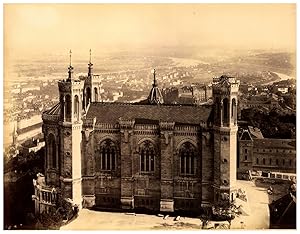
[265, 154]
[141, 156]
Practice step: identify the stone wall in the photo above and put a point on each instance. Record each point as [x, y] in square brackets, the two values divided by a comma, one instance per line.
[164, 189]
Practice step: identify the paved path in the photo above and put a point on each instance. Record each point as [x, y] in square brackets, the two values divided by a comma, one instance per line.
[258, 206]
[258, 217]
[97, 220]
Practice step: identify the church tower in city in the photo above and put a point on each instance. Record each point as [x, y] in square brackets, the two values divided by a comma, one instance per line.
[140, 156]
[225, 94]
[62, 130]
[92, 86]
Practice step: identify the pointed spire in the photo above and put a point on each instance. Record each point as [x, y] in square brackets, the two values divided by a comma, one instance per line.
[90, 65]
[155, 96]
[70, 58]
[154, 80]
[70, 68]
[90, 56]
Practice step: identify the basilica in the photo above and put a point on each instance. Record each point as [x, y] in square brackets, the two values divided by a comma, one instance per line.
[146, 155]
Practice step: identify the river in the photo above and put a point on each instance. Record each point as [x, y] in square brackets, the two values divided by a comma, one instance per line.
[281, 77]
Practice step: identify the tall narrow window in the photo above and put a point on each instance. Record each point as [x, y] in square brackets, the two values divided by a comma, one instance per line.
[187, 154]
[233, 108]
[96, 94]
[270, 161]
[76, 107]
[225, 111]
[264, 161]
[68, 107]
[257, 162]
[107, 159]
[217, 110]
[52, 151]
[88, 96]
[277, 162]
[147, 157]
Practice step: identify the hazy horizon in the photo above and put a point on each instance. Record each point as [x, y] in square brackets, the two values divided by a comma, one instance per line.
[55, 28]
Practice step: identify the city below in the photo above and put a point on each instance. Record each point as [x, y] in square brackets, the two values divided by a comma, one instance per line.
[266, 120]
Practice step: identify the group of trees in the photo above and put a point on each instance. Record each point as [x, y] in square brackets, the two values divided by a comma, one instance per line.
[63, 213]
[272, 124]
[32, 162]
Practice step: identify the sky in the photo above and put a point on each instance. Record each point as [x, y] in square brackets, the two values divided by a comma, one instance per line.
[32, 28]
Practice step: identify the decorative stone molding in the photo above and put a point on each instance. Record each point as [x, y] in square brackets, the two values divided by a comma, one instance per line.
[127, 202]
[109, 131]
[89, 201]
[146, 132]
[186, 133]
[166, 182]
[179, 179]
[87, 133]
[100, 126]
[126, 133]
[166, 135]
[50, 118]
[126, 124]
[167, 205]
[127, 179]
[166, 125]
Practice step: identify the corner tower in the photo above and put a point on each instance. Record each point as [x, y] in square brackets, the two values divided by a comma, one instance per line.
[225, 96]
[70, 122]
[92, 86]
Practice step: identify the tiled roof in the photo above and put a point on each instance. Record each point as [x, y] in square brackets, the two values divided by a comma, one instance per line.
[245, 136]
[275, 143]
[255, 132]
[283, 212]
[29, 128]
[111, 112]
[55, 110]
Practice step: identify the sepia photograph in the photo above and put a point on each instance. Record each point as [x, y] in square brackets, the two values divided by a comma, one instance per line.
[148, 116]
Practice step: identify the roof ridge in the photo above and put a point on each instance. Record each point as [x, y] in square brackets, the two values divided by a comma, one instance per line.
[138, 104]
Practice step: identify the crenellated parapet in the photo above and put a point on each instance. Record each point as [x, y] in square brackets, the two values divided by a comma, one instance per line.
[225, 85]
[65, 86]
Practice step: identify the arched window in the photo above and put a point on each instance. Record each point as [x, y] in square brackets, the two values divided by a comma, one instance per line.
[147, 155]
[217, 109]
[96, 94]
[51, 151]
[233, 110]
[62, 100]
[225, 111]
[108, 153]
[68, 107]
[88, 96]
[76, 106]
[187, 154]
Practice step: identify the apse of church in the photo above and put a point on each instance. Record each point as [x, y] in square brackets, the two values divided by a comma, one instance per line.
[144, 155]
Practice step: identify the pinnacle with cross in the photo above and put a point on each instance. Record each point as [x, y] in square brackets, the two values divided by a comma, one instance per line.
[154, 80]
[70, 66]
